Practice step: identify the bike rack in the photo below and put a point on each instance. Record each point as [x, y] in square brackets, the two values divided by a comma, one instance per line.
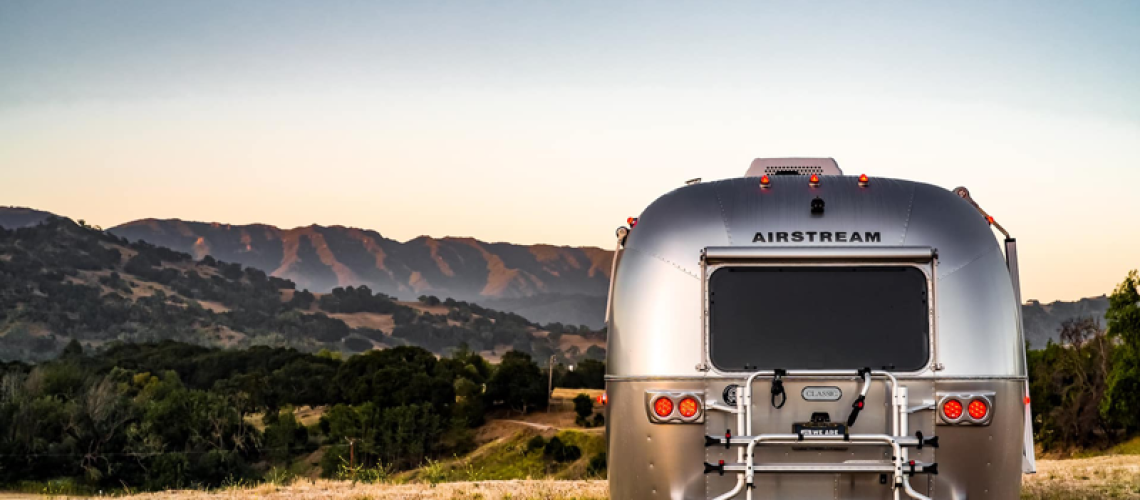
[899, 467]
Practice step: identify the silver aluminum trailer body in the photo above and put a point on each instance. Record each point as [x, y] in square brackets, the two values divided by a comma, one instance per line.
[660, 330]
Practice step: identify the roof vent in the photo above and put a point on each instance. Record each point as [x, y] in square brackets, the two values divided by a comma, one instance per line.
[793, 166]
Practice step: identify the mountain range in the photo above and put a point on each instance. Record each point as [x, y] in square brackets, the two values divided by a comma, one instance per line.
[62, 281]
[543, 283]
[532, 280]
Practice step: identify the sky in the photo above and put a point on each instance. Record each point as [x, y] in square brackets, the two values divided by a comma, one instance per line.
[551, 122]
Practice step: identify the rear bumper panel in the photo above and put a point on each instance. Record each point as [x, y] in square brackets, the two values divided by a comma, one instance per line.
[667, 460]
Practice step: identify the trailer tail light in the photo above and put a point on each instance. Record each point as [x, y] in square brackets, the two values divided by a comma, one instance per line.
[765, 181]
[675, 407]
[688, 407]
[965, 408]
[864, 180]
[813, 181]
[632, 221]
[978, 409]
[952, 409]
[603, 399]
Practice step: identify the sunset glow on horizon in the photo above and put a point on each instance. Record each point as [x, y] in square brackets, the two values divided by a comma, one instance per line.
[531, 122]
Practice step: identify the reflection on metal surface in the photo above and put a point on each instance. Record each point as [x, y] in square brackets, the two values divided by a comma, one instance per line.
[656, 345]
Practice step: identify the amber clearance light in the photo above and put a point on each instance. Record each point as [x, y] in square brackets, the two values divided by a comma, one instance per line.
[663, 407]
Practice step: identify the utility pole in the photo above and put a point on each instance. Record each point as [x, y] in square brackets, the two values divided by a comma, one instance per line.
[550, 384]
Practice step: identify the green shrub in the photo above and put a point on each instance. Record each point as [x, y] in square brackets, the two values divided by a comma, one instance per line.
[583, 405]
[536, 443]
[597, 466]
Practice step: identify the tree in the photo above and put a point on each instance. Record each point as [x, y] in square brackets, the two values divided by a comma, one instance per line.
[1068, 383]
[596, 353]
[1122, 402]
[517, 383]
[284, 435]
[73, 350]
[583, 406]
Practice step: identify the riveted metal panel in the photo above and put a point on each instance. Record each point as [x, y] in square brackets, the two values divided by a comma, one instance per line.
[979, 461]
[648, 460]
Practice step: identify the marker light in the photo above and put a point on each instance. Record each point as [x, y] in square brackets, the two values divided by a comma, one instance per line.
[813, 181]
[765, 182]
[990, 219]
[864, 180]
[952, 409]
[977, 409]
[632, 221]
[663, 407]
[688, 407]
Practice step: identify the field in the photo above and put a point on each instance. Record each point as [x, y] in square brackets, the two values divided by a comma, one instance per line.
[335, 490]
[1113, 476]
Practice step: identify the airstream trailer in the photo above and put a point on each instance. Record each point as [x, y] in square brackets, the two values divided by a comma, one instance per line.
[800, 333]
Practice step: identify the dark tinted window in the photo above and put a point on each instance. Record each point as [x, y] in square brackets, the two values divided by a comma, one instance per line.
[818, 318]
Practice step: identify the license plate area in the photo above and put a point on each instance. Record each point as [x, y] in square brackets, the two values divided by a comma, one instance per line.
[819, 428]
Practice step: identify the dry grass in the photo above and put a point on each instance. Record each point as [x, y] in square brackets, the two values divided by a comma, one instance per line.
[375, 321]
[1114, 476]
[334, 490]
[307, 415]
[569, 394]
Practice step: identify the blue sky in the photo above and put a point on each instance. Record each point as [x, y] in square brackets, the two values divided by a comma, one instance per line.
[553, 121]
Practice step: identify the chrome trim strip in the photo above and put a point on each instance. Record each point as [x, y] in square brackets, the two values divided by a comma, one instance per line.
[919, 254]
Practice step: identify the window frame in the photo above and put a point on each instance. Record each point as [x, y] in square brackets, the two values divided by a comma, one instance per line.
[921, 258]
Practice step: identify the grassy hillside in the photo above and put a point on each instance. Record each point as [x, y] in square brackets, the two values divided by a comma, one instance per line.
[61, 281]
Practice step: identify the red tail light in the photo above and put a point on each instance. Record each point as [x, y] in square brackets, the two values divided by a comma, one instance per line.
[990, 219]
[864, 180]
[952, 409]
[814, 180]
[632, 221]
[765, 181]
[603, 399]
[663, 407]
[977, 409]
[688, 407]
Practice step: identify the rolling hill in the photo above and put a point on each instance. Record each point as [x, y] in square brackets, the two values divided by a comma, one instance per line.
[551, 282]
[60, 280]
[16, 217]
